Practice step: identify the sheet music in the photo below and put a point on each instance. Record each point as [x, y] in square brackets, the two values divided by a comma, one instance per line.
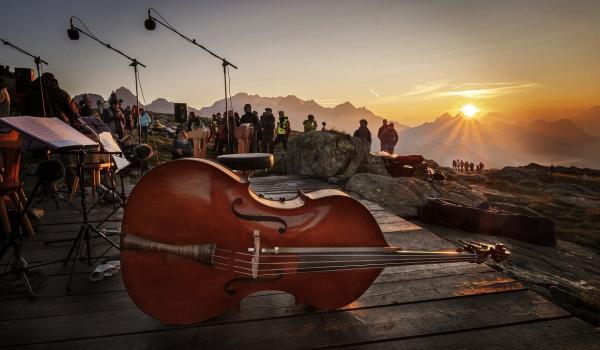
[120, 162]
[52, 132]
[108, 142]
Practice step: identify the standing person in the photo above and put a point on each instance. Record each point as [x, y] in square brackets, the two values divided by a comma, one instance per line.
[363, 132]
[218, 125]
[310, 124]
[4, 100]
[238, 120]
[194, 121]
[252, 118]
[324, 126]
[213, 128]
[389, 139]
[380, 131]
[234, 121]
[145, 121]
[462, 165]
[267, 126]
[57, 102]
[472, 166]
[453, 164]
[128, 120]
[222, 137]
[113, 117]
[283, 131]
[135, 117]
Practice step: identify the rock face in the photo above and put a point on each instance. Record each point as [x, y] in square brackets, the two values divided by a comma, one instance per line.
[404, 195]
[325, 155]
[374, 165]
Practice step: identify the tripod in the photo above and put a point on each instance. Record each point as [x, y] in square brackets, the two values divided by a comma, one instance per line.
[20, 266]
[82, 241]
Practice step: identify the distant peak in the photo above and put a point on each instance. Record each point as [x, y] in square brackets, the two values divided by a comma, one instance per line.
[444, 117]
[291, 98]
[344, 105]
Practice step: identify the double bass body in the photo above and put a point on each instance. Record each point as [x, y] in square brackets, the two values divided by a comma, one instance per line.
[197, 202]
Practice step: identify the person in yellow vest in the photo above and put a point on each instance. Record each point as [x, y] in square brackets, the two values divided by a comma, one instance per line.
[282, 130]
[310, 124]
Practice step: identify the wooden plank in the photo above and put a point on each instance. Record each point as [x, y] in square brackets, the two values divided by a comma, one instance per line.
[262, 307]
[310, 330]
[55, 301]
[562, 333]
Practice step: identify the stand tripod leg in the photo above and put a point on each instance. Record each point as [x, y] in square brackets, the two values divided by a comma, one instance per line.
[27, 285]
[76, 244]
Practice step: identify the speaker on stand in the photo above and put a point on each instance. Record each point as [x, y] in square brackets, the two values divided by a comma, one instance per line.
[181, 115]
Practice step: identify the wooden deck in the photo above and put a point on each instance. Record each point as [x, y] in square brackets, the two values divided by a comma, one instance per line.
[448, 306]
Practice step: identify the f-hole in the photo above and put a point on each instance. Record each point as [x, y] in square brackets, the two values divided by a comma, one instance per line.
[239, 201]
[231, 290]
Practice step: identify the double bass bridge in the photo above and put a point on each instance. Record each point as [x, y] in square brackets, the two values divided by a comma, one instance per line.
[255, 264]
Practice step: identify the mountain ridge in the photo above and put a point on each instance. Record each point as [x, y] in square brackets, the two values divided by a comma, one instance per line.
[490, 139]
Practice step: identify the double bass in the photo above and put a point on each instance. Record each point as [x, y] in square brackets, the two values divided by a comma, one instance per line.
[196, 240]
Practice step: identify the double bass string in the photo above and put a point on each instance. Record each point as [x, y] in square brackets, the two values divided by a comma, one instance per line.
[231, 264]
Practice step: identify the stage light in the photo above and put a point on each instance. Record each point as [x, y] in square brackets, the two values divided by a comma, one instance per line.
[150, 24]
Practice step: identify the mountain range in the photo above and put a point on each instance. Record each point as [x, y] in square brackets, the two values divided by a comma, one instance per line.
[490, 139]
[498, 143]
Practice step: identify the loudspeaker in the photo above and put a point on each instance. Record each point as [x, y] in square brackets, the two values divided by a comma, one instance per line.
[180, 112]
[23, 77]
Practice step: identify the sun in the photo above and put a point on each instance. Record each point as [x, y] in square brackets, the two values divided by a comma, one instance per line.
[469, 110]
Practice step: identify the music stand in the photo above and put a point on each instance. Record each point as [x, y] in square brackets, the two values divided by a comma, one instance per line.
[60, 137]
[119, 162]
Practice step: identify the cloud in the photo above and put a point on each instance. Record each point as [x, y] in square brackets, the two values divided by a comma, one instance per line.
[436, 89]
[373, 92]
[486, 90]
[422, 89]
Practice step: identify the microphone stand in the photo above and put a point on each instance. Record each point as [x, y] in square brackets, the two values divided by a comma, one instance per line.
[38, 62]
[133, 63]
[224, 63]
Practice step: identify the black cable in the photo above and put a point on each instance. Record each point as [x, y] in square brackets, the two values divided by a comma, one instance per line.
[141, 89]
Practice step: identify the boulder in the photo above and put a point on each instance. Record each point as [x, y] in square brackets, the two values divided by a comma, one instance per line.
[325, 155]
[404, 195]
[374, 165]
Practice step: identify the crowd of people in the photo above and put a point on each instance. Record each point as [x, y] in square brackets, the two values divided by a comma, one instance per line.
[467, 167]
[269, 130]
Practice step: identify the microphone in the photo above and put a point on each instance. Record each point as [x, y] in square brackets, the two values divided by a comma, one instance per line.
[150, 24]
[143, 151]
[72, 32]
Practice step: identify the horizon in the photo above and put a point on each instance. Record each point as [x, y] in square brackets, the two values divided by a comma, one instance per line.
[403, 61]
[432, 118]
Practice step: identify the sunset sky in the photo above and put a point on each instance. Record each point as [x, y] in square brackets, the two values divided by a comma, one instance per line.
[405, 60]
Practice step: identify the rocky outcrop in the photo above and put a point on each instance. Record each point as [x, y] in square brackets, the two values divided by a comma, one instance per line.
[374, 165]
[404, 195]
[325, 155]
